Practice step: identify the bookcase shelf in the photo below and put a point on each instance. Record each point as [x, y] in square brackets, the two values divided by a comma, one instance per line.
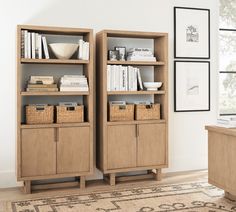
[53, 61]
[51, 151]
[33, 126]
[136, 122]
[137, 144]
[55, 93]
[136, 63]
[134, 92]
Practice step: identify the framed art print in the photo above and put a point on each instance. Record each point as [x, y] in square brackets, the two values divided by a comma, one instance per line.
[191, 86]
[191, 33]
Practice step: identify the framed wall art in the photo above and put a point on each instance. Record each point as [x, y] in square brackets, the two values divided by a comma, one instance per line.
[191, 33]
[191, 86]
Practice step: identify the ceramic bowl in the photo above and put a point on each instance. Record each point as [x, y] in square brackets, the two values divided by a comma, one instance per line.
[63, 50]
[152, 86]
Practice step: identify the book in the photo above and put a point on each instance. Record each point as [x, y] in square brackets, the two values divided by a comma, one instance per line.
[33, 46]
[29, 45]
[41, 89]
[22, 44]
[45, 47]
[80, 52]
[117, 102]
[39, 43]
[25, 43]
[42, 86]
[108, 77]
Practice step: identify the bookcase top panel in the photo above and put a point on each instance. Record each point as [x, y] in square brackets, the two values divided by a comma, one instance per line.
[134, 34]
[56, 30]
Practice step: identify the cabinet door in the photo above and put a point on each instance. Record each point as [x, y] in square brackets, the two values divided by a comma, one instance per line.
[38, 152]
[121, 146]
[151, 144]
[73, 150]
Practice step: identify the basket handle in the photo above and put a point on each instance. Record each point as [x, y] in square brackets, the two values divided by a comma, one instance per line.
[70, 108]
[148, 106]
[39, 108]
[122, 107]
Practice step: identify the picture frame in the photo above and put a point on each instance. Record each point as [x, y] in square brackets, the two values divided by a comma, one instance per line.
[113, 55]
[191, 33]
[191, 86]
[122, 52]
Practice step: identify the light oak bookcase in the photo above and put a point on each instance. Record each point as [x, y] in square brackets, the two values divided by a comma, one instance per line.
[53, 151]
[132, 145]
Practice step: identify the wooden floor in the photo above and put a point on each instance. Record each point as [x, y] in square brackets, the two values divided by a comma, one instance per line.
[99, 185]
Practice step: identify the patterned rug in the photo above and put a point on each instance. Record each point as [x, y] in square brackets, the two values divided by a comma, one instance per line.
[191, 197]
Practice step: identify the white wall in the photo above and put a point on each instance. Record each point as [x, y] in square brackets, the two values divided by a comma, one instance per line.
[187, 137]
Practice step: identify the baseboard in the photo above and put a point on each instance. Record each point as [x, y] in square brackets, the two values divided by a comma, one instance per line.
[8, 179]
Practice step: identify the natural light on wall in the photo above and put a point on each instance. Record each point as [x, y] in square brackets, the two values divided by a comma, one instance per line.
[227, 57]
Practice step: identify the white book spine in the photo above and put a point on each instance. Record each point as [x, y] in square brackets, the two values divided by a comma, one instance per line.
[29, 45]
[126, 78]
[45, 47]
[135, 79]
[114, 78]
[33, 44]
[80, 52]
[123, 78]
[26, 44]
[108, 77]
[40, 47]
[120, 78]
[87, 51]
[129, 78]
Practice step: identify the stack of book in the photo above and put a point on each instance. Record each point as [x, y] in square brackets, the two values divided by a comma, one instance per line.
[123, 78]
[227, 122]
[73, 83]
[41, 84]
[83, 53]
[141, 54]
[33, 45]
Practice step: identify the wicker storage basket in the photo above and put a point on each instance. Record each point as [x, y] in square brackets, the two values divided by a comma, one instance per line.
[70, 114]
[36, 114]
[147, 112]
[121, 112]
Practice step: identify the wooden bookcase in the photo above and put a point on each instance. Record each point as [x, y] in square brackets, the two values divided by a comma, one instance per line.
[52, 151]
[132, 145]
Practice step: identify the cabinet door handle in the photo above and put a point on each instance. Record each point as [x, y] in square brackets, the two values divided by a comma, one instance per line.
[137, 131]
[56, 134]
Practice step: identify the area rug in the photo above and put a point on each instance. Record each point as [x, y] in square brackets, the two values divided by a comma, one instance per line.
[191, 197]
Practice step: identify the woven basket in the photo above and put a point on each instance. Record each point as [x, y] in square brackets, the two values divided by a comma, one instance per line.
[39, 114]
[147, 112]
[67, 114]
[121, 112]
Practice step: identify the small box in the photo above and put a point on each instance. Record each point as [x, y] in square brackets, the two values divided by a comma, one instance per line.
[121, 112]
[70, 114]
[147, 112]
[39, 114]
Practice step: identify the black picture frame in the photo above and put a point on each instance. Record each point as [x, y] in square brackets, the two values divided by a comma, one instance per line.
[176, 88]
[176, 32]
[122, 55]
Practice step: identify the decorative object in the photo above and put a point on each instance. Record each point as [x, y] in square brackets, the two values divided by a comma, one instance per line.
[191, 33]
[191, 196]
[113, 55]
[191, 86]
[152, 86]
[122, 52]
[63, 50]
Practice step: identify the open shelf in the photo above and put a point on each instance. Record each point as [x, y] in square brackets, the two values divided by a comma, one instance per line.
[136, 122]
[30, 126]
[55, 93]
[54, 61]
[134, 92]
[137, 63]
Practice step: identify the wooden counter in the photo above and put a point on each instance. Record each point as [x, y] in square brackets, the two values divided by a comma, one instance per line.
[222, 159]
